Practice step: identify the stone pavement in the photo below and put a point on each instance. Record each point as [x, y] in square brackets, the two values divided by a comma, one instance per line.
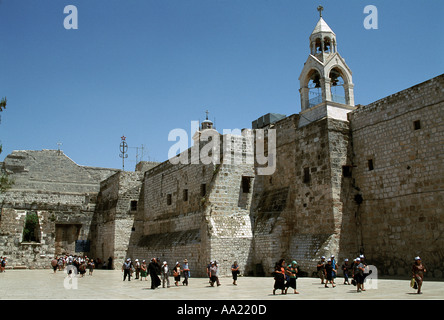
[108, 285]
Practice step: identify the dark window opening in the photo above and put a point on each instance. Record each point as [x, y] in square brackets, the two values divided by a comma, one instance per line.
[31, 230]
[185, 195]
[169, 201]
[346, 171]
[133, 229]
[133, 205]
[246, 181]
[417, 124]
[370, 165]
[203, 189]
[306, 175]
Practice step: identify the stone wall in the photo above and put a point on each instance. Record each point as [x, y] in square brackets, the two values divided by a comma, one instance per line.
[196, 211]
[401, 215]
[297, 211]
[114, 219]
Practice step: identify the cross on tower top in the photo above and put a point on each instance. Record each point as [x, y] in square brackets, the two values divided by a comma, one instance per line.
[207, 112]
[320, 9]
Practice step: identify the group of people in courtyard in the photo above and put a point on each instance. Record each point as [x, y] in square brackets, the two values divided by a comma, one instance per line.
[76, 263]
[285, 275]
[160, 272]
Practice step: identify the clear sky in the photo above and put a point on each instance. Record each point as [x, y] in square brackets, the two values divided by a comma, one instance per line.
[141, 68]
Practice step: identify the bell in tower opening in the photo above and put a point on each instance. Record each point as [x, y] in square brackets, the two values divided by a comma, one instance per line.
[325, 80]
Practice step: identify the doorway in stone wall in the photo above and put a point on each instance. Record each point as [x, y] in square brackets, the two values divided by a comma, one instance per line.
[65, 238]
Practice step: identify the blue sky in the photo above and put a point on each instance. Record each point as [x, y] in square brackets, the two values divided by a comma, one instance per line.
[141, 68]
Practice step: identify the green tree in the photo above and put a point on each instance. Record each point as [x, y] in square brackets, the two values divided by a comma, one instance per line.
[5, 182]
[3, 104]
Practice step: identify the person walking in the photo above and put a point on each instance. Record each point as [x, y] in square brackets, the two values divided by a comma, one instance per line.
[279, 276]
[137, 268]
[346, 270]
[176, 273]
[143, 270]
[328, 271]
[235, 272]
[208, 271]
[335, 267]
[91, 266]
[358, 275]
[54, 264]
[153, 270]
[321, 269]
[126, 269]
[418, 270]
[186, 272]
[292, 272]
[82, 268]
[164, 272]
[214, 274]
[61, 263]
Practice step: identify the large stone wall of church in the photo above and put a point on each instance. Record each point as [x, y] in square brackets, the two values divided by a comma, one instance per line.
[114, 220]
[297, 211]
[398, 145]
[228, 212]
[170, 223]
[197, 211]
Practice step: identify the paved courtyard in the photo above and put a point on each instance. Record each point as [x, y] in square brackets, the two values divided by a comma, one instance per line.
[108, 285]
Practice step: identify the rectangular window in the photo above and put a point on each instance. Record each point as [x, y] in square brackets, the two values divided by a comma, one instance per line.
[203, 189]
[346, 171]
[417, 124]
[185, 194]
[169, 201]
[370, 165]
[246, 181]
[133, 205]
[306, 175]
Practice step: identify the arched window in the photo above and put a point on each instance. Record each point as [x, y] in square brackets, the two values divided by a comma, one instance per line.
[318, 46]
[314, 88]
[337, 86]
[327, 45]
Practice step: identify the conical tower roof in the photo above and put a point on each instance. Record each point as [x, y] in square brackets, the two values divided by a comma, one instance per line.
[322, 27]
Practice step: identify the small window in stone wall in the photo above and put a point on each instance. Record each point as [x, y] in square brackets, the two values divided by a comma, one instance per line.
[133, 205]
[169, 200]
[346, 171]
[370, 165]
[306, 178]
[417, 124]
[246, 182]
[185, 194]
[203, 189]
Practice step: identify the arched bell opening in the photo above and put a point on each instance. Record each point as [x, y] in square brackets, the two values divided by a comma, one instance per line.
[318, 46]
[314, 88]
[328, 45]
[337, 83]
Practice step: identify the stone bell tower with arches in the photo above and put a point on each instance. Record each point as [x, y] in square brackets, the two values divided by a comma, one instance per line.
[326, 85]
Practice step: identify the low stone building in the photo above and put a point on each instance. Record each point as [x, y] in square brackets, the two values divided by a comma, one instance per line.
[61, 193]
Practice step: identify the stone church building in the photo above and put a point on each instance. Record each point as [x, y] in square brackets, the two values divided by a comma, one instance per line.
[348, 180]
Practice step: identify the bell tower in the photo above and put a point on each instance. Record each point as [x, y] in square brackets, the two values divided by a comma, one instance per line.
[326, 86]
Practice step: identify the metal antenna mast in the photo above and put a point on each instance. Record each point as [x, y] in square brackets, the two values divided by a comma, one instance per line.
[123, 151]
